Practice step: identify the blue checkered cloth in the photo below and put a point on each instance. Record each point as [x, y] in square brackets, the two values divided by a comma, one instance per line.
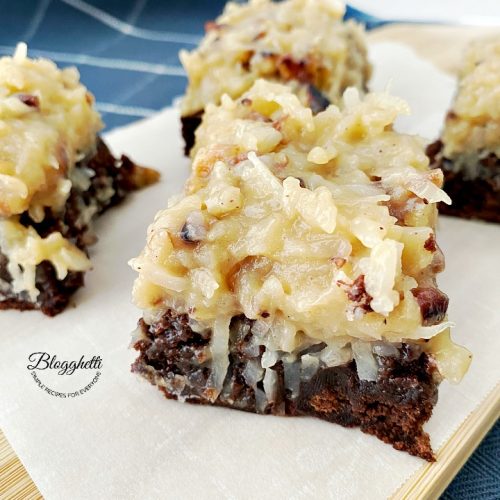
[126, 51]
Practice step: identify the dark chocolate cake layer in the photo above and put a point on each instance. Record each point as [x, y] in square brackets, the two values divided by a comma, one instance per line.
[393, 408]
[473, 198]
[189, 124]
[54, 294]
[109, 182]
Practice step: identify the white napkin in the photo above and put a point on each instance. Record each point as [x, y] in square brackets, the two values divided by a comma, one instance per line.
[123, 439]
[475, 12]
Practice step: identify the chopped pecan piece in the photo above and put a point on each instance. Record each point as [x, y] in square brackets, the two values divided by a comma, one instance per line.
[433, 304]
[30, 100]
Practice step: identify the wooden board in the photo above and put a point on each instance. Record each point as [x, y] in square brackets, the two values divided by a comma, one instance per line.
[432, 479]
[443, 46]
[15, 482]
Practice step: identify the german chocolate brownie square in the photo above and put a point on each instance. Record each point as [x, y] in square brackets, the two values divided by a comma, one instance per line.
[56, 177]
[468, 151]
[302, 44]
[296, 273]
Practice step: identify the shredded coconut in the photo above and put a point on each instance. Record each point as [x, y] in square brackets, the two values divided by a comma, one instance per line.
[474, 121]
[314, 252]
[294, 41]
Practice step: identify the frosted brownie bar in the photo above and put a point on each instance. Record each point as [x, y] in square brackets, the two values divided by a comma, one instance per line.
[296, 275]
[303, 43]
[56, 176]
[469, 149]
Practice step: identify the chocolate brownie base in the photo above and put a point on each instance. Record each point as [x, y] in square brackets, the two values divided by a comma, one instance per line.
[122, 176]
[189, 125]
[54, 294]
[392, 408]
[473, 198]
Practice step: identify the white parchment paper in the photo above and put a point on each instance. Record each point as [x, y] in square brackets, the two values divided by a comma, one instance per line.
[122, 439]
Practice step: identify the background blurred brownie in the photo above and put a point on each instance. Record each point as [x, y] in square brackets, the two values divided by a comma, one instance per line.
[56, 176]
[469, 149]
[302, 43]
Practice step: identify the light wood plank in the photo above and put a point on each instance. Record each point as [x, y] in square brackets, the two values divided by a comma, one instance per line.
[432, 479]
[15, 482]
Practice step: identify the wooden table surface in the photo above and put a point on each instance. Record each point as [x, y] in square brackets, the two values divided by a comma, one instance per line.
[15, 482]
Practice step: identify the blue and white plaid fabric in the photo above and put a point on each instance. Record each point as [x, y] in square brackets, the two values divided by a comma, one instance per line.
[126, 51]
